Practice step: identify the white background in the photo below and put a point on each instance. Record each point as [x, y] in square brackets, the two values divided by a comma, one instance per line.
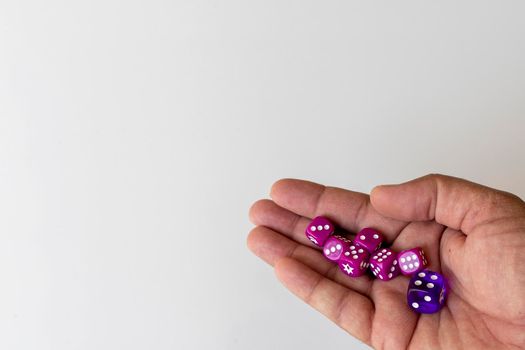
[134, 136]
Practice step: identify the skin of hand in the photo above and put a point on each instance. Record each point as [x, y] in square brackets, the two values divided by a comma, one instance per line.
[472, 234]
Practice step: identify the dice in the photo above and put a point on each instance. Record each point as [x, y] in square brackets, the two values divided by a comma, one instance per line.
[369, 239]
[354, 261]
[384, 264]
[334, 247]
[319, 230]
[411, 261]
[426, 292]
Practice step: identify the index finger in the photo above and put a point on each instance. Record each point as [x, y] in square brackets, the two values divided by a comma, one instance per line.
[350, 210]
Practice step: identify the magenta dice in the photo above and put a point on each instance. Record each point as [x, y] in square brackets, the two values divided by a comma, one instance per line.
[384, 265]
[369, 239]
[354, 261]
[334, 247]
[319, 229]
[411, 261]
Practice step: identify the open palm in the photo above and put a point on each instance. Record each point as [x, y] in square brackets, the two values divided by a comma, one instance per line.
[473, 235]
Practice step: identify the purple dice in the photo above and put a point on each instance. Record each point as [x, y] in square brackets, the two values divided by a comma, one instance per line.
[384, 264]
[369, 239]
[319, 229]
[334, 247]
[411, 261]
[354, 261]
[426, 292]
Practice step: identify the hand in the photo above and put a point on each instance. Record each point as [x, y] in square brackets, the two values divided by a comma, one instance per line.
[473, 235]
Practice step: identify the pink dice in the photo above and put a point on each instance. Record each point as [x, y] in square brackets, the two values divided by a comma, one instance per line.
[334, 247]
[411, 261]
[369, 239]
[319, 229]
[354, 261]
[384, 264]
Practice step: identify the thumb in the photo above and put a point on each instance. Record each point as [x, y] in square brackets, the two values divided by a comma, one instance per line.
[453, 202]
